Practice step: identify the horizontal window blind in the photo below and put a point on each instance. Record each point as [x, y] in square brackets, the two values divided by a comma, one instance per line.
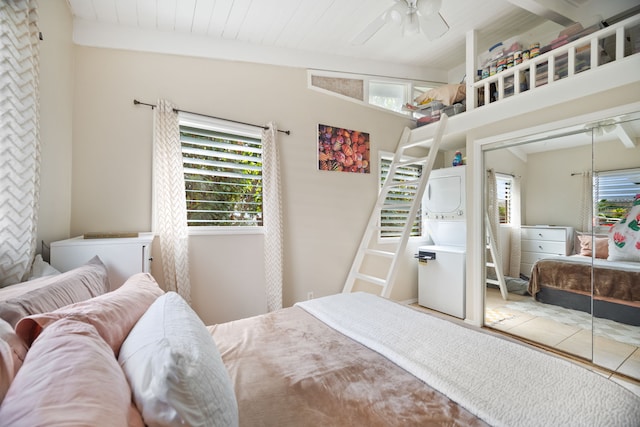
[393, 219]
[223, 178]
[504, 183]
[614, 193]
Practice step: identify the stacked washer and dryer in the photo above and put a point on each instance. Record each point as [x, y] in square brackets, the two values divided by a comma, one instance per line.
[441, 270]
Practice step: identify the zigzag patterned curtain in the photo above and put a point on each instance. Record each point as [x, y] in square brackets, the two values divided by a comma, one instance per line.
[492, 205]
[272, 210]
[516, 226]
[19, 137]
[170, 200]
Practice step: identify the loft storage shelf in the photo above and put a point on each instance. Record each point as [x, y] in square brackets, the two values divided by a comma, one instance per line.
[565, 61]
[572, 83]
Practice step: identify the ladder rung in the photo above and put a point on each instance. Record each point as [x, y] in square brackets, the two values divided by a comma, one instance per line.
[490, 264]
[493, 281]
[414, 161]
[378, 252]
[371, 279]
[416, 143]
[397, 206]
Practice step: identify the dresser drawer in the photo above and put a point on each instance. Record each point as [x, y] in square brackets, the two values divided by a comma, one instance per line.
[544, 246]
[555, 234]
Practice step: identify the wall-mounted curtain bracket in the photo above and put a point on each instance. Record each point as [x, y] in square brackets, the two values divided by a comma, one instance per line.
[136, 102]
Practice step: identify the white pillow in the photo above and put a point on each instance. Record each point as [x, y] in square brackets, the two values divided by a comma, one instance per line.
[41, 268]
[624, 237]
[175, 369]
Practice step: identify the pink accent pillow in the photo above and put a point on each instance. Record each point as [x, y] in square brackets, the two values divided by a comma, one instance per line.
[112, 314]
[12, 353]
[52, 292]
[586, 246]
[69, 377]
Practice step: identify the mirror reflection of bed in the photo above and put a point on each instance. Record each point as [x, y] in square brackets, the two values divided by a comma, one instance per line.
[567, 248]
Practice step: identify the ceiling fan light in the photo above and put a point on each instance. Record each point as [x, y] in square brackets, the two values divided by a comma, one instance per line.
[410, 25]
[395, 14]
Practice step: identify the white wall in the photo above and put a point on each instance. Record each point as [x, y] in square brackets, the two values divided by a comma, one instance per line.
[56, 106]
[554, 196]
[324, 212]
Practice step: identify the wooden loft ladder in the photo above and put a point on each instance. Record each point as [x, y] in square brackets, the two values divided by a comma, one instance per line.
[495, 260]
[394, 181]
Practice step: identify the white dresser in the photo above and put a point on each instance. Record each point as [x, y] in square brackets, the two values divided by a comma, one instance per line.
[123, 256]
[543, 241]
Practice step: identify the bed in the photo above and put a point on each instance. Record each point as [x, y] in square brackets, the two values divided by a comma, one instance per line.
[358, 359]
[350, 359]
[614, 259]
[566, 281]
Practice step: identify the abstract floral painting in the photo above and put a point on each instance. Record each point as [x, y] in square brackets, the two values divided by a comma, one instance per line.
[343, 150]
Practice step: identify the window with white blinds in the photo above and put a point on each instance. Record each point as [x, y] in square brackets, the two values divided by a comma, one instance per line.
[504, 184]
[223, 176]
[614, 192]
[400, 195]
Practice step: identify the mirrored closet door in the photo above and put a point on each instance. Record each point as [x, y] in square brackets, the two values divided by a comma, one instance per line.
[552, 201]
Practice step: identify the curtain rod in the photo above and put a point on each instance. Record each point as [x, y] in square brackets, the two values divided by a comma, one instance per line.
[602, 171]
[136, 102]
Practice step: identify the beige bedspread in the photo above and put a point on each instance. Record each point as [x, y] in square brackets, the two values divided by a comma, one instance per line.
[290, 369]
[615, 280]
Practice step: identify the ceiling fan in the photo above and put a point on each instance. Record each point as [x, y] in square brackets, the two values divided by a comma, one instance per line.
[413, 16]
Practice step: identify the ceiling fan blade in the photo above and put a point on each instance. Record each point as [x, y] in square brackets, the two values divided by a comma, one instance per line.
[433, 26]
[393, 14]
[368, 31]
[429, 7]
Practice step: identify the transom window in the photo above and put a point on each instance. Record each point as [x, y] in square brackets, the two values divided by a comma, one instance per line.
[222, 173]
[389, 95]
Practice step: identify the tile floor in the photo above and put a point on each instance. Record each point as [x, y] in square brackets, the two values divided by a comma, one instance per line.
[621, 361]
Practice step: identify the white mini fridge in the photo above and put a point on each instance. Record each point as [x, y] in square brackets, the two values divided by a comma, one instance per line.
[441, 279]
[123, 257]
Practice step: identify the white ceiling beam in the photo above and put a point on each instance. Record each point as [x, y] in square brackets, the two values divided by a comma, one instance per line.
[536, 7]
[519, 153]
[625, 133]
[90, 33]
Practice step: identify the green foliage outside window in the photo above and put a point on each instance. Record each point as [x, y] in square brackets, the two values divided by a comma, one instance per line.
[223, 180]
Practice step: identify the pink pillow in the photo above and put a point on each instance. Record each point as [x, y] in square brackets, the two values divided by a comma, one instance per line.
[12, 353]
[69, 377]
[586, 246]
[113, 314]
[52, 292]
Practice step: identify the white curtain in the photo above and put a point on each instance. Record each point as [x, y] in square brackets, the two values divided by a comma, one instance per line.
[170, 200]
[492, 206]
[19, 137]
[272, 222]
[586, 208]
[516, 224]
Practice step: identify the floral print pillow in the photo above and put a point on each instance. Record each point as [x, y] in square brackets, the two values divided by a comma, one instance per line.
[624, 237]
